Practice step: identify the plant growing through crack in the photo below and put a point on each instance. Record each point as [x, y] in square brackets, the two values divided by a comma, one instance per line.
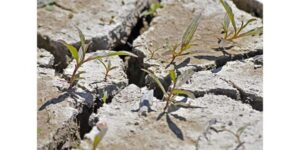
[178, 49]
[229, 19]
[79, 56]
[108, 67]
[170, 94]
[152, 11]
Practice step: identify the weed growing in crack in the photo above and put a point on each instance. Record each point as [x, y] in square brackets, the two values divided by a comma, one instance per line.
[79, 56]
[152, 11]
[108, 67]
[173, 91]
[229, 18]
[186, 40]
[236, 134]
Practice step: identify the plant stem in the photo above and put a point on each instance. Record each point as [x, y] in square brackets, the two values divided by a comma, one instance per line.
[73, 77]
[106, 74]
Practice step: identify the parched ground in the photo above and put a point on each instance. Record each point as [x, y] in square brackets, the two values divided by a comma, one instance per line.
[227, 84]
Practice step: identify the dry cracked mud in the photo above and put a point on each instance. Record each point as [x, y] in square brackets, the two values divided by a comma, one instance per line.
[227, 83]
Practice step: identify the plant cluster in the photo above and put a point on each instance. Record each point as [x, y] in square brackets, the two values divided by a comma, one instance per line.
[229, 19]
[79, 56]
[170, 94]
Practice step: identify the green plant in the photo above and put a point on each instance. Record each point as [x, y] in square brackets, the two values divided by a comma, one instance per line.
[102, 129]
[108, 67]
[173, 91]
[152, 10]
[229, 18]
[186, 39]
[104, 98]
[79, 56]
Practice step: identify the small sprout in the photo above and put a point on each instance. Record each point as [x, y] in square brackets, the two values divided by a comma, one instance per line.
[169, 96]
[186, 39]
[229, 18]
[104, 98]
[79, 56]
[108, 67]
[153, 9]
[102, 128]
[152, 52]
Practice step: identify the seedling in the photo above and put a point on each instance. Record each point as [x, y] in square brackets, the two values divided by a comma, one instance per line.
[79, 56]
[104, 98]
[173, 91]
[152, 10]
[108, 67]
[152, 52]
[236, 134]
[186, 40]
[229, 18]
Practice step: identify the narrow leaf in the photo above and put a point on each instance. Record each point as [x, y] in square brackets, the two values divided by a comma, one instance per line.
[72, 50]
[173, 75]
[244, 26]
[190, 31]
[156, 80]
[97, 140]
[184, 92]
[119, 53]
[80, 54]
[229, 13]
[104, 98]
[226, 23]
[82, 38]
[252, 32]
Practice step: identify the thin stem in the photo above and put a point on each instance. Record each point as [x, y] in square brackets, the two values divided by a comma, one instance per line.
[106, 74]
[73, 77]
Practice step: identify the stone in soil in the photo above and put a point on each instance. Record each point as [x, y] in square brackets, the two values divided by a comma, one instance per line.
[170, 25]
[106, 23]
[182, 128]
[93, 78]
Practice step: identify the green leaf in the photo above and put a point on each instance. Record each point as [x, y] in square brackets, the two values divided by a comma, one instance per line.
[119, 53]
[226, 23]
[104, 98]
[252, 32]
[244, 26]
[173, 75]
[229, 13]
[156, 80]
[190, 31]
[73, 51]
[184, 92]
[97, 140]
[249, 21]
[80, 54]
[82, 38]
